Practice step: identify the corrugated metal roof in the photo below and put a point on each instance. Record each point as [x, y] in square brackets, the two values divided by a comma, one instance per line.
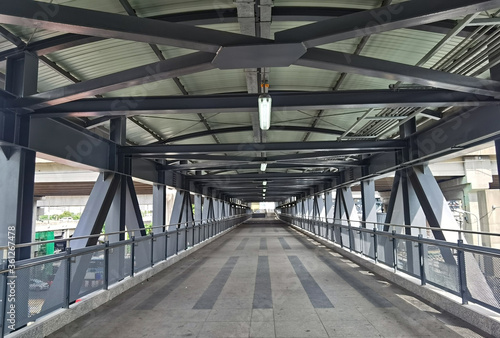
[93, 60]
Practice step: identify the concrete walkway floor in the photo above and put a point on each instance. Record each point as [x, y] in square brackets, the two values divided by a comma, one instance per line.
[264, 279]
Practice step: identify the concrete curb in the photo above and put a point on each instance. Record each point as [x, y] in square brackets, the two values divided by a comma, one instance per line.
[56, 320]
[477, 316]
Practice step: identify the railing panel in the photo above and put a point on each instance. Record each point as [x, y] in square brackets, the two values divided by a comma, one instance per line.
[159, 248]
[91, 267]
[85, 271]
[368, 244]
[142, 257]
[120, 261]
[486, 269]
[439, 272]
[31, 290]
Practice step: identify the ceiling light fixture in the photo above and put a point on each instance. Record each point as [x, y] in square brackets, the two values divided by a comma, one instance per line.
[263, 166]
[265, 103]
[264, 183]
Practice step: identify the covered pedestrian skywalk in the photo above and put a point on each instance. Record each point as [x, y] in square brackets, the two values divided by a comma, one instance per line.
[372, 127]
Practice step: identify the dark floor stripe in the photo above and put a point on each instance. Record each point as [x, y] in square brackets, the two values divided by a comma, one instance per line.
[209, 297]
[242, 244]
[284, 244]
[263, 244]
[365, 291]
[358, 285]
[314, 292]
[159, 295]
[263, 230]
[304, 241]
[262, 296]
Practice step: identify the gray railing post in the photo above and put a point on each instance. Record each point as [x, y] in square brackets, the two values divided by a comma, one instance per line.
[421, 256]
[68, 278]
[132, 256]
[349, 230]
[375, 245]
[340, 236]
[394, 252]
[106, 265]
[152, 248]
[5, 302]
[166, 244]
[462, 273]
[177, 240]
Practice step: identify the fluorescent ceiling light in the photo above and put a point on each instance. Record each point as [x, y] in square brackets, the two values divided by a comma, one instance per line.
[265, 103]
[264, 183]
[263, 190]
[263, 166]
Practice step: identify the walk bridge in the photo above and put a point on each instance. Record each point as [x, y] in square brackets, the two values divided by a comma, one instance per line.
[317, 107]
[261, 278]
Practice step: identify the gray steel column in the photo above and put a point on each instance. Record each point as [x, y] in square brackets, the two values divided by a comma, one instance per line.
[159, 205]
[115, 221]
[369, 202]
[198, 208]
[17, 176]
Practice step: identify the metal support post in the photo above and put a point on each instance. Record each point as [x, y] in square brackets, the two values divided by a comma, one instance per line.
[462, 274]
[68, 279]
[394, 252]
[106, 266]
[166, 245]
[375, 245]
[152, 249]
[132, 257]
[177, 241]
[423, 279]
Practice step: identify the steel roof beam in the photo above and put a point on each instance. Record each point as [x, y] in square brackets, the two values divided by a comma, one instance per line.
[314, 154]
[248, 129]
[226, 103]
[407, 14]
[209, 17]
[263, 176]
[182, 65]
[243, 166]
[348, 146]
[366, 66]
[67, 19]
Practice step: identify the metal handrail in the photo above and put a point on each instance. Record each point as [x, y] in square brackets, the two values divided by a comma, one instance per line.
[100, 247]
[400, 225]
[24, 245]
[466, 248]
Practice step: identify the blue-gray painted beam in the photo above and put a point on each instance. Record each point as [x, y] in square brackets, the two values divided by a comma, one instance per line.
[366, 66]
[256, 165]
[369, 205]
[459, 131]
[21, 77]
[244, 103]
[247, 129]
[351, 146]
[223, 15]
[67, 19]
[382, 19]
[182, 65]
